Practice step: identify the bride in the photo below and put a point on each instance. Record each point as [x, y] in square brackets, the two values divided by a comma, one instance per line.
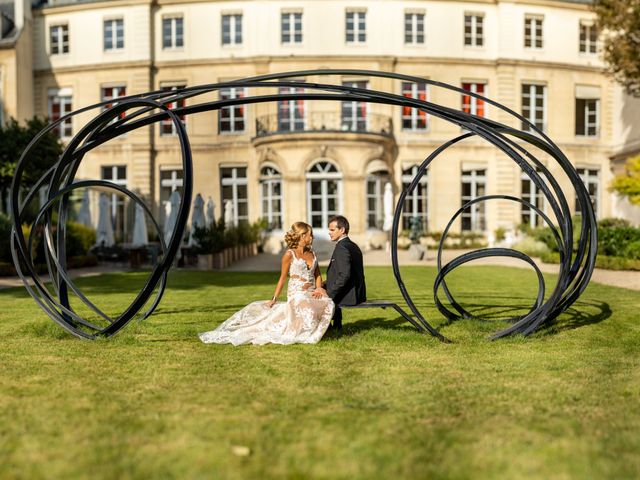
[303, 318]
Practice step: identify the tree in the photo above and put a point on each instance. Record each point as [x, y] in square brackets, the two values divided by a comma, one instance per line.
[619, 21]
[14, 138]
[628, 183]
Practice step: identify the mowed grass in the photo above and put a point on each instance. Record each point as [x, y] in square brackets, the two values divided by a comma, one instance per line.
[376, 401]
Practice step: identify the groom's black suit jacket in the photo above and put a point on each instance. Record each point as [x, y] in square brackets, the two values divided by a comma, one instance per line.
[345, 274]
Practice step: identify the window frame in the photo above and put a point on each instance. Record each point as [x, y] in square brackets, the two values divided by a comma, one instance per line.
[535, 108]
[414, 115]
[477, 212]
[236, 34]
[61, 43]
[234, 182]
[270, 176]
[173, 20]
[475, 37]
[534, 24]
[115, 46]
[414, 27]
[233, 110]
[292, 33]
[358, 30]
[323, 177]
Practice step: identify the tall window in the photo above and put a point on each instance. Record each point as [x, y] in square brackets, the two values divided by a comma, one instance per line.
[324, 189]
[117, 174]
[354, 114]
[588, 37]
[114, 34]
[112, 93]
[474, 185]
[413, 28]
[271, 195]
[232, 29]
[234, 189]
[587, 116]
[473, 105]
[356, 27]
[167, 126]
[376, 182]
[591, 179]
[60, 104]
[533, 32]
[413, 118]
[170, 181]
[291, 27]
[172, 32]
[533, 105]
[291, 112]
[532, 194]
[416, 203]
[232, 119]
[59, 39]
[473, 30]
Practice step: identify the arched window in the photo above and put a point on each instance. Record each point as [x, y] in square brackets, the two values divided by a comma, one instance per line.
[271, 196]
[416, 203]
[324, 187]
[376, 180]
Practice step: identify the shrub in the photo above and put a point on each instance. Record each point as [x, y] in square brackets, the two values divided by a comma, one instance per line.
[500, 234]
[80, 239]
[602, 261]
[210, 239]
[613, 241]
[632, 250]
[532, 247]
[613, 222]
[231, 237]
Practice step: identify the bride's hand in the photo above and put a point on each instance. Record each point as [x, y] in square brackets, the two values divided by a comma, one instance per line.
[319, 293]
[270, 303]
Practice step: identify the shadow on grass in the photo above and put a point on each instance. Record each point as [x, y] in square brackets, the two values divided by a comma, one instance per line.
[351, 329]
[581, 314]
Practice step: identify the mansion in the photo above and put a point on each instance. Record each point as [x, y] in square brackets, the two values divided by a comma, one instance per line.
[306, 160]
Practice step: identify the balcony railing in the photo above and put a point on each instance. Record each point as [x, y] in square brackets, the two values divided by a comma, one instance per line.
[324, 122]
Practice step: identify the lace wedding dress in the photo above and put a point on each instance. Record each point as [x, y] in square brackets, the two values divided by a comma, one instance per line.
[301, 319]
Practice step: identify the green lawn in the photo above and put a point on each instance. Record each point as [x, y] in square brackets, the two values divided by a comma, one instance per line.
[375, 401]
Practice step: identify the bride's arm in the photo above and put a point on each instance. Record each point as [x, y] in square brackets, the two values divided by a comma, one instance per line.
[319, 291]
[286, 263]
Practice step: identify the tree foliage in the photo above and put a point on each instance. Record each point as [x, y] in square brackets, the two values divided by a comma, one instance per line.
[619, 21]
[628, 183]
[14, 138]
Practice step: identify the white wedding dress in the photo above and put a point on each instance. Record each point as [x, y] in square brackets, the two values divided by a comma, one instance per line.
[301, 319]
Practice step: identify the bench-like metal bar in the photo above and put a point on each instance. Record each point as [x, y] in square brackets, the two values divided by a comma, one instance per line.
[386, 304]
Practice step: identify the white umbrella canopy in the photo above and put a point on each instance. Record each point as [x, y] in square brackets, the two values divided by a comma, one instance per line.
[211, 212]
[140, 234]
[104, 232]
[387, 203]
[172, 218]
[84, 216]
[197, 219]
[228, 213]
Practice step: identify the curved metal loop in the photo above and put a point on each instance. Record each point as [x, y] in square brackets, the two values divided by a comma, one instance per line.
[138, 111]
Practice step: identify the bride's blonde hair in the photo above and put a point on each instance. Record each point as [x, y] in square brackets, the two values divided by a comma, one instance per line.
[293, 235]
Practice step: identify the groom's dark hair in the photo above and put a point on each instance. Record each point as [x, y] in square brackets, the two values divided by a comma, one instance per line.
[341, 222]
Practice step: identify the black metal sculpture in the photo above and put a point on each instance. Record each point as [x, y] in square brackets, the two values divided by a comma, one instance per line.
[576, 265]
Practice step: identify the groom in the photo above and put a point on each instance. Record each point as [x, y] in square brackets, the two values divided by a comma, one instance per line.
[345, 274]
